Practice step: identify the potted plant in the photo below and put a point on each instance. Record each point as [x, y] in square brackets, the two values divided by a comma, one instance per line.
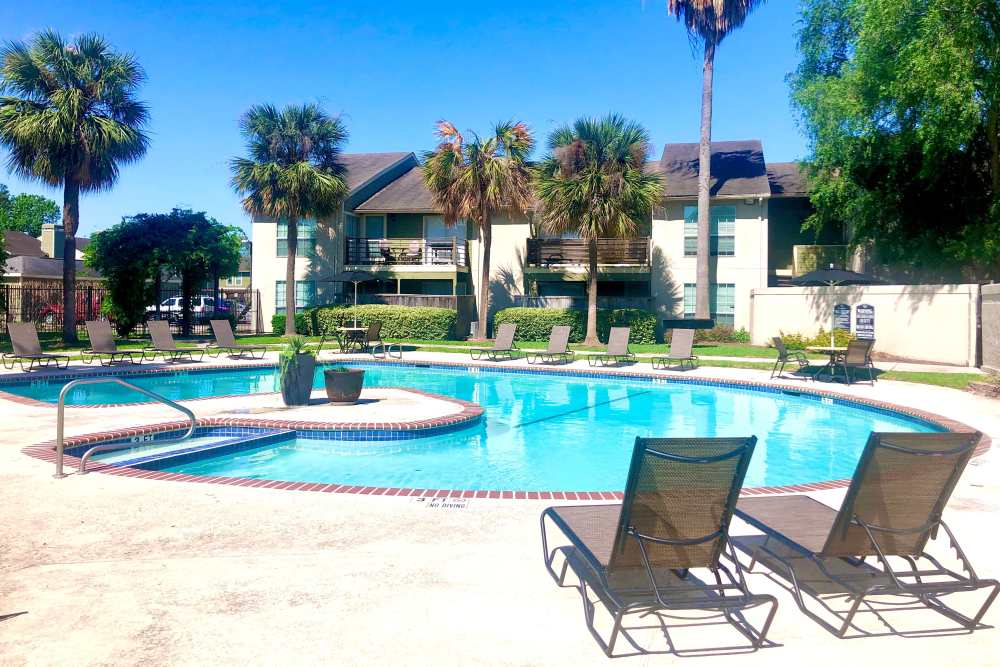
[297, 366]
[343, 384]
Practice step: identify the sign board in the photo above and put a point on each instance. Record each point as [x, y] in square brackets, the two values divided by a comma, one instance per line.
[864, 321]
[842, 317]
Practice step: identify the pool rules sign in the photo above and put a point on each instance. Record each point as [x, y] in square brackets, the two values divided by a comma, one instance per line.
[864, 321]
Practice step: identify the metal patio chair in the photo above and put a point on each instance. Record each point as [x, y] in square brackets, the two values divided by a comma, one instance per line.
[617, 351]
[103, 347]
[681, 344]
[503, 345]
[557, 349]
[786, 356]
[25, 345]
[162, 344]
[225, 342]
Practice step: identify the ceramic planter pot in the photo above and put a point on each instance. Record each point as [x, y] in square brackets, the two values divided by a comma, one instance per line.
[343, 387]
[297, 380]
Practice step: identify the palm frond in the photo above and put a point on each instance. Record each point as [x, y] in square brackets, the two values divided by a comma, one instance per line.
[712, 20]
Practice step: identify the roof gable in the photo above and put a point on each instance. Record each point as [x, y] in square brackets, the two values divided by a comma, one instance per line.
[406, 193]
[787, 179]
[738, 170]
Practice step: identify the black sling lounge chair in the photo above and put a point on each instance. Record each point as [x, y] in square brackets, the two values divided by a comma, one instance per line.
[892, 509]
[225, 341]
[681, 344]
[557, 349]
[785, 357]
[162, 344]
[503, 345]
[103, 347]
[675, 516]
[24, 341]
[617, 350]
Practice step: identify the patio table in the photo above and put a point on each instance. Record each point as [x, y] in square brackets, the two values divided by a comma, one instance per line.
[833, 351]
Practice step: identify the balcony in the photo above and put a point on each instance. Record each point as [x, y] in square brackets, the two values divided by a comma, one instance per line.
[549, 253]
[406, 252]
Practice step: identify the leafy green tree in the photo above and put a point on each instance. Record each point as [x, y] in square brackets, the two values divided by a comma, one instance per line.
[478, 179]
[27, 213]
[708, 21]
[901, 103]
[593, 182]
[294, 171]
[70, 118]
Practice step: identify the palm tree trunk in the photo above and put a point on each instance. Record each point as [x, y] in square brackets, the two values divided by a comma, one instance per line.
[293, 246]
[187, 291]
[993, 132]
[702, 279]
[591, 338]
[486, 232]
[71, 220]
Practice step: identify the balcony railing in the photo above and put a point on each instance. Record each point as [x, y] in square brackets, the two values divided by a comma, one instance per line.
[406, 252]
[562, 252]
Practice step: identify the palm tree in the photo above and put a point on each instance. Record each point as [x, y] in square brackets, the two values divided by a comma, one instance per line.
[70, 118]
[709, 21]
[294, 172]
[478, 179]
[593, 182]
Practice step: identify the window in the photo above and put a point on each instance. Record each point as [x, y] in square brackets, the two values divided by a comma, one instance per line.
[306, 238]
[722, 302]
[723, 231]
[305, 295]
[435, 229]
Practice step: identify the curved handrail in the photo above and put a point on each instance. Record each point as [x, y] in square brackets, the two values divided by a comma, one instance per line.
[61, 412]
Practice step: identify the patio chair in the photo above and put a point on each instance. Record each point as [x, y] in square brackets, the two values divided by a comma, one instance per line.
[225, 342]
[103, 347]
[681, 343]
[503, 345]
[857, 356]
[617, 351]
[675, 516]
[162, 344]
[786, 356]
[25, 345]
[892, 509]
[557, 349]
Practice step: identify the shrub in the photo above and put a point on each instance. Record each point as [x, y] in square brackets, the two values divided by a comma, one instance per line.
[798, 341]
[301, 324]
[535, 324]
[420, 322]
[721, 333]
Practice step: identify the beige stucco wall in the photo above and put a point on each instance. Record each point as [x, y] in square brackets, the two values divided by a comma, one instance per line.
[934, 323]
[746, 269]
[991, 327]
[510, 236]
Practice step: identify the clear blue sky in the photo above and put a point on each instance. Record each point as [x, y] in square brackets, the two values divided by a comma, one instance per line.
[394, 68]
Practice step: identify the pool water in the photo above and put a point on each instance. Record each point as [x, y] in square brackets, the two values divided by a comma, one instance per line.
[549, 432]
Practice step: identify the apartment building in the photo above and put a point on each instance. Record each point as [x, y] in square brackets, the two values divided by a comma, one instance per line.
[389, 226]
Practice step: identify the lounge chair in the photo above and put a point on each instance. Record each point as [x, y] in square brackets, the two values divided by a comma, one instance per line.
[103, 347]
[892, 509]
[225, 341]
[503, 345]
[681, 343]
[162, 344]
[24, 342]
[857, 356]
[557, 349]
[786, 356]
[675, 515]
[617, 351]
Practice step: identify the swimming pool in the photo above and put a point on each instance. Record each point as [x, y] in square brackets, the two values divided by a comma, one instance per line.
[541, 431]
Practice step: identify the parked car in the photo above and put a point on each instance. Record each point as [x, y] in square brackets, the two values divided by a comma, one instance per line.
[202, 308]
[52, 313]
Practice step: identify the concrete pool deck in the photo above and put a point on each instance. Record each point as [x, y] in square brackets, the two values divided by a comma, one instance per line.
[117, 570]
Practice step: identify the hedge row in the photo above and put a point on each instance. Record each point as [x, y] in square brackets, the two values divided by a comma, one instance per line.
[797, 341]
[420, 322]
[535, 324]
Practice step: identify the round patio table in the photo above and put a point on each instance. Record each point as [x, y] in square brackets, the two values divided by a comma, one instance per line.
[348, 336]
[833, 352]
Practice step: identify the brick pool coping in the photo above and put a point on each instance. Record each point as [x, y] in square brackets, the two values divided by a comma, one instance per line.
[470, 413]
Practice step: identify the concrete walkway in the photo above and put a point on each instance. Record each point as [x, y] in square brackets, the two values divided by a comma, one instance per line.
[109, 570]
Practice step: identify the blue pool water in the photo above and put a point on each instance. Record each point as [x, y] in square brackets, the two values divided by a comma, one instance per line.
[540, 432]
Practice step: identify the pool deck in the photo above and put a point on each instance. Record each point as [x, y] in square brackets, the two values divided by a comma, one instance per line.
[103, 569]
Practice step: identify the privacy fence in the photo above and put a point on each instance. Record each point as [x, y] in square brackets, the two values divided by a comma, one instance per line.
[43, 306]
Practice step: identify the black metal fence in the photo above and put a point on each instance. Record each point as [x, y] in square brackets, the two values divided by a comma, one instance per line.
[44, 307]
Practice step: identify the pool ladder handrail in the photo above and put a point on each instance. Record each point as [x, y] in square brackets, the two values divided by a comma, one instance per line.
[61, 415]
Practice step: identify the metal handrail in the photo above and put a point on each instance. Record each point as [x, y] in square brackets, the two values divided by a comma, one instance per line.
[61, 413]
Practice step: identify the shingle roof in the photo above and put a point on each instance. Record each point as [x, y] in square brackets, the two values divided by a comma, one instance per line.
[738, 169]
[44, 267]
[19, 243]
[362, 167]
[406, 193]
[787, 179]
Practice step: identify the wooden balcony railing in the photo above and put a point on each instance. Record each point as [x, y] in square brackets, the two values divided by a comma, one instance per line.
[561, 252]
[406, 252]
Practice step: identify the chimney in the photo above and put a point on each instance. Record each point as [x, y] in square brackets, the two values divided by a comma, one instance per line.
[52, 240]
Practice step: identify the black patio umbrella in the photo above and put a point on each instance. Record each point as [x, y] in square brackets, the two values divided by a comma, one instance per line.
[832, 277]
[355, 277]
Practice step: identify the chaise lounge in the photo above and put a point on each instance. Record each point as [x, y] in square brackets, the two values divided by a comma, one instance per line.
[681, 344]
[675, 516]
[162, 344]
[557, 349]
[617, 351]
[103, 347]
[892, 510]
[503, 345]
[225, 342]
[24, 342]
